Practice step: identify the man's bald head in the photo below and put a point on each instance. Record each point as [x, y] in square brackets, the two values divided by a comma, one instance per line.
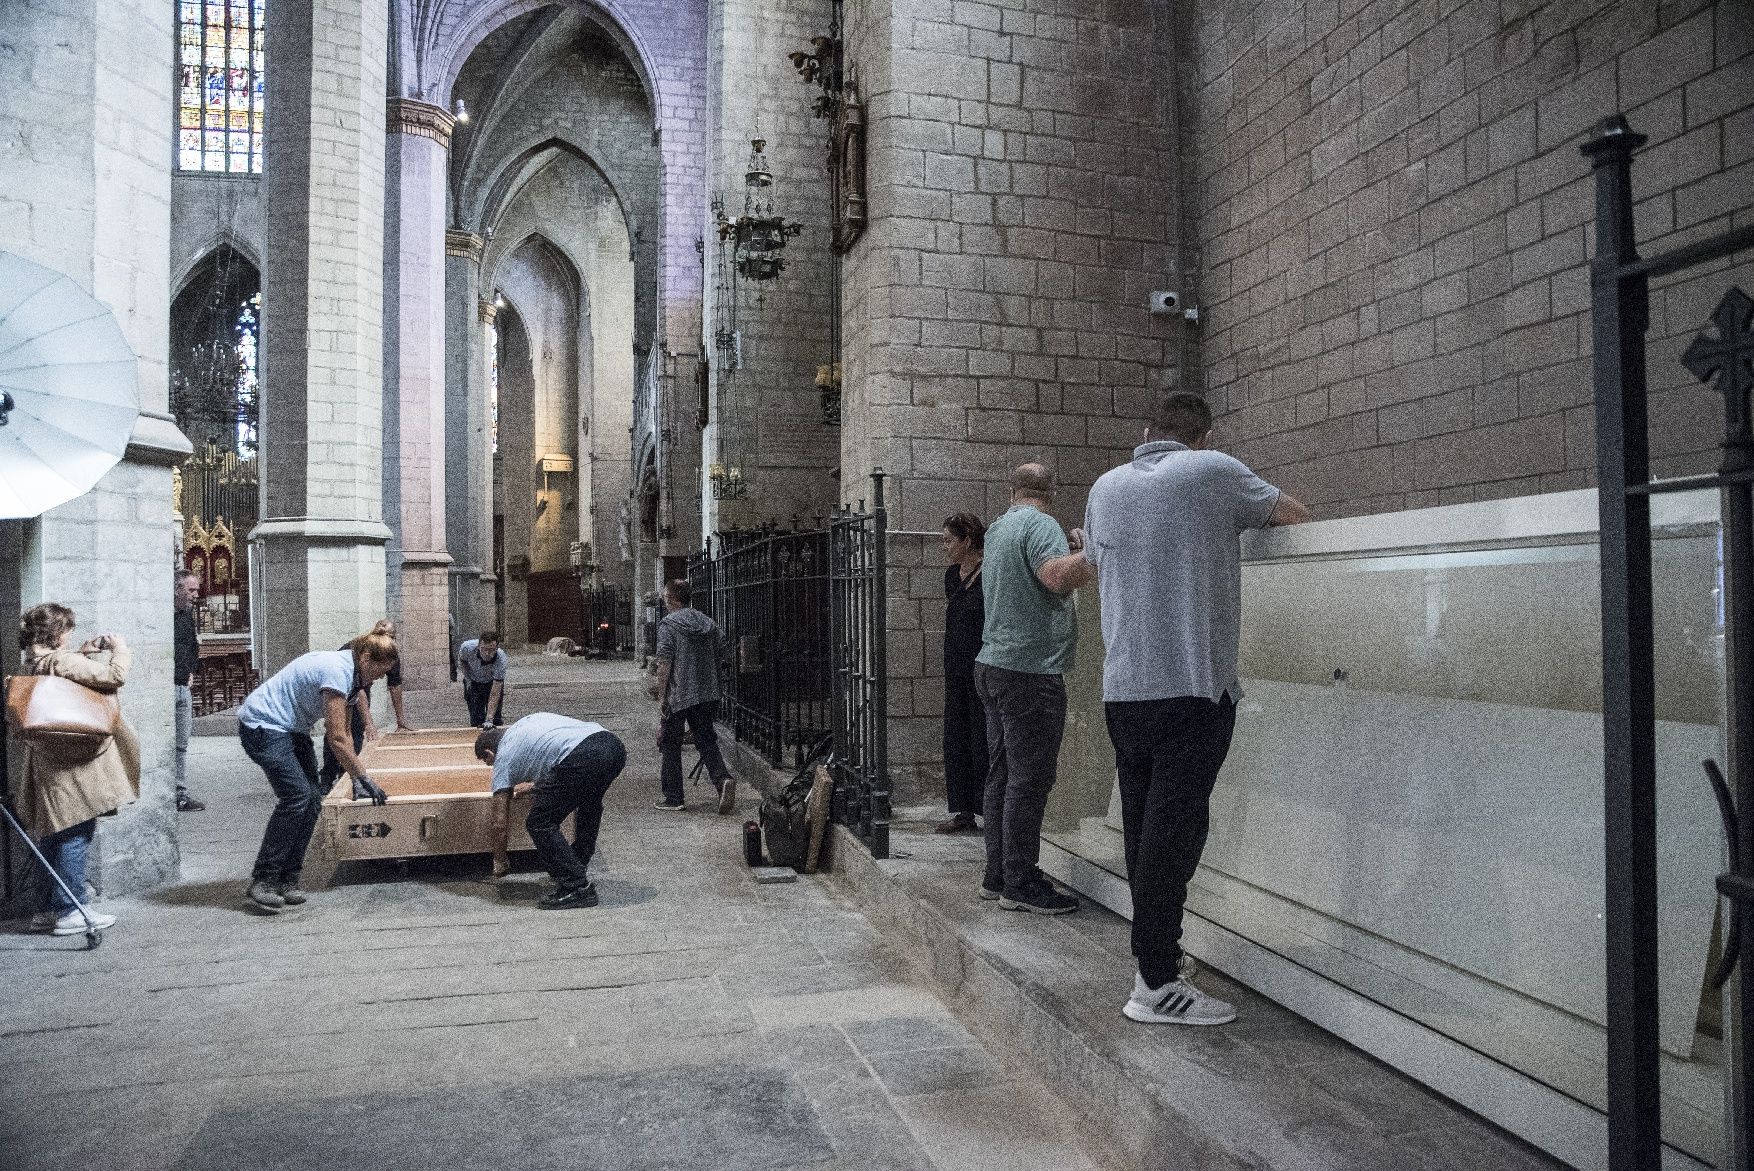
[1032, 482]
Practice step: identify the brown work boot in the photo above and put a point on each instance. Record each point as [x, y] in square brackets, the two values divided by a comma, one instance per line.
[958, 823]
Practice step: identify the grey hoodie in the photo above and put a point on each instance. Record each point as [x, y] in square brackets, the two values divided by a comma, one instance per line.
[689, 641]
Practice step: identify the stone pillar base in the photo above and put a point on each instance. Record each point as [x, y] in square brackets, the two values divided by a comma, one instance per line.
[322, 584]
[424, 634]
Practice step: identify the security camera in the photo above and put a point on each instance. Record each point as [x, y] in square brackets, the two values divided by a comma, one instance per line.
[1165, 301]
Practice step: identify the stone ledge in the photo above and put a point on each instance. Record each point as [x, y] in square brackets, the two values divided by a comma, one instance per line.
[1271, 1090]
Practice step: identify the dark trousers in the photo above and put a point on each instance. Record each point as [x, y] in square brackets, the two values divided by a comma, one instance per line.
[699, 720]
[332, 769]
[475, 695]
[1026, 719]
[965, 745]
[576, 785]
[290, 762]
[1167, 756]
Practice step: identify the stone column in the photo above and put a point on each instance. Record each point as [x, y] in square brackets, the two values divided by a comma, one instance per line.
[414, 384]
[320, 544]
[86, 170]
[468, 429]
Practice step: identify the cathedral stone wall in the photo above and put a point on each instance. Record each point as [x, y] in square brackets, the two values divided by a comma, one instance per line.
[1394, 224]
[1023, 201]
[767, 415]
[87, 90]
[210, 210]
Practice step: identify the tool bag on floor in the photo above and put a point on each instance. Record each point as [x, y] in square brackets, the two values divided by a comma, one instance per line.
[785, 818]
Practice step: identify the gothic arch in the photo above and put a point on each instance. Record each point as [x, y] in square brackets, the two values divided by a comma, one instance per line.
[610, 15]
[509, 178]
[220, 238]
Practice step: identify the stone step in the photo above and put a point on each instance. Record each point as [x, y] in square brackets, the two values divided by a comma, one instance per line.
[1269, 1091]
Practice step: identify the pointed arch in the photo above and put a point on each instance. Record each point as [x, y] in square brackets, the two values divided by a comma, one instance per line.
[607, 14]
[510, 177]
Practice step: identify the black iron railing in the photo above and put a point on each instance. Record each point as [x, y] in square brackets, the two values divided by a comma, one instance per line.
[858, 552]
[803, 615]
[768, 591]
[1724, 353]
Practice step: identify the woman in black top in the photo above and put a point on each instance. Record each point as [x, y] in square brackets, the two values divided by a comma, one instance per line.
[965, 720]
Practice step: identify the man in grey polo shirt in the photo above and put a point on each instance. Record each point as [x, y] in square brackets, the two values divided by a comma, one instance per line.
[1163, 532]
[1029, 574]
[566, 766]
[482, 662]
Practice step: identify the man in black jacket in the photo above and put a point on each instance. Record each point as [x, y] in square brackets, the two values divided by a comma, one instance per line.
[187, 588]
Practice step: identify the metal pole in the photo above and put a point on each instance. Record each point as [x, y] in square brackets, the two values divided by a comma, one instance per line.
[1620, 316]
[878, 627]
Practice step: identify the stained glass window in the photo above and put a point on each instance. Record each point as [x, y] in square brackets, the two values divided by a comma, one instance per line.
[248, 405]
[493, 387]
[219, 95]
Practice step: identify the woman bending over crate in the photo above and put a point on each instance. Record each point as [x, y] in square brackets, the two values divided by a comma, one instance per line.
[275, 724]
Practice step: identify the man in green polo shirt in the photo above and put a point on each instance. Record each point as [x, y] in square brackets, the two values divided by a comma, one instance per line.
[1030, 572]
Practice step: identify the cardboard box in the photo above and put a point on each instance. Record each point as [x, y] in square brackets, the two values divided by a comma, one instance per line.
[440, 802]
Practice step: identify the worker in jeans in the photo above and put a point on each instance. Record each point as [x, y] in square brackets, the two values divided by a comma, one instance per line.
[565, 767]
[687, 691]
[1030, 571]
[481, 664]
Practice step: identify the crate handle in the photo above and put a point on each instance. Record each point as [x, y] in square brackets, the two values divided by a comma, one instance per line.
[426, 825]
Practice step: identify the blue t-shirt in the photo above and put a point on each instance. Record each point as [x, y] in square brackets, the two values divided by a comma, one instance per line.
[292, 700]
[532, 746]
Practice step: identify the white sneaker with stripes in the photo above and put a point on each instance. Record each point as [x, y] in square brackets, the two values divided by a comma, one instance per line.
[1176, 1003]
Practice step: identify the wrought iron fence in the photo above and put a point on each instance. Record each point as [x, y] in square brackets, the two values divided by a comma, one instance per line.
[858, 557]
[1723, 354]
[802, 612]
[768, 591]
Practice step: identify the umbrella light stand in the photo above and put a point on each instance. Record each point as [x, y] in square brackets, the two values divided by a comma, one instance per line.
[93, 936]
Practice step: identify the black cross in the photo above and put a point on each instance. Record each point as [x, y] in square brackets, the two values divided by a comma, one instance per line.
[1729, 358]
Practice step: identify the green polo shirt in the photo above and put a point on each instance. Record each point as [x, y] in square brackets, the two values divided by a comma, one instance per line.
[1029, 628]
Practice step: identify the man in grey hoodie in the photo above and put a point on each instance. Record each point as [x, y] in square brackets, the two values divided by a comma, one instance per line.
[688, 696]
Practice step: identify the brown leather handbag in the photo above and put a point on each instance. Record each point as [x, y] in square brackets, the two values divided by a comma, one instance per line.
[61, 716]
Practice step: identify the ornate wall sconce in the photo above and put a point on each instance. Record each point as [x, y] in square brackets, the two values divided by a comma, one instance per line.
[727, 482]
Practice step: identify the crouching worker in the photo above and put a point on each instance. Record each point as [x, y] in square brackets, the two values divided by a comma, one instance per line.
[566, 766]
[275, 724]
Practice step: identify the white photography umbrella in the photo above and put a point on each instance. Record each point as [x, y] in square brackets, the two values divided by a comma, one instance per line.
[69, 390]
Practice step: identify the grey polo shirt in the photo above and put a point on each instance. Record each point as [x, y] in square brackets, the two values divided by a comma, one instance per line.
[1163, 532]
[473, 670]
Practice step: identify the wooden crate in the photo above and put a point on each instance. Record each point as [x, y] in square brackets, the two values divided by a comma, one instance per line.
[440, 802]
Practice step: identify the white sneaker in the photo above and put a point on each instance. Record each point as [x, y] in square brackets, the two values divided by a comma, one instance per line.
[73, 923]
[1176, 1003]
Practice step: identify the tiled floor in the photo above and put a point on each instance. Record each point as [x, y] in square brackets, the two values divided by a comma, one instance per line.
[423, 1016]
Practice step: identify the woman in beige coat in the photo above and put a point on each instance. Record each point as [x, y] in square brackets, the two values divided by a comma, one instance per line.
[61, 799]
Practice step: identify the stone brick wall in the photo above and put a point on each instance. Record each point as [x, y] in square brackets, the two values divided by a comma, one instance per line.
[1393, 223]
[1022, 201]
[86, 91]
[767, 417]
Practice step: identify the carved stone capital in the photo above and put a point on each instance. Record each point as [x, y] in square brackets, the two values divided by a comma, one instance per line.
[407, 116]
[464, 244]
[487, 309]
